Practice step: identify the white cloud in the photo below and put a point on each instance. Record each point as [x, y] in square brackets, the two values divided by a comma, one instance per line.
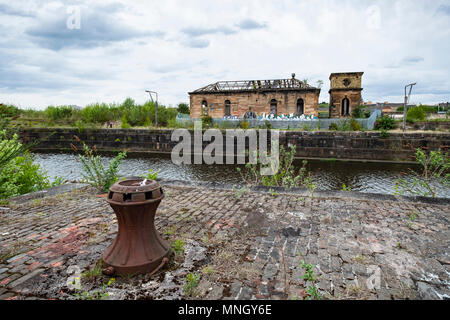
[174, 47]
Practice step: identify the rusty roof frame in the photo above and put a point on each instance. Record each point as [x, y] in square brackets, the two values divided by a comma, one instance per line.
[255, 85]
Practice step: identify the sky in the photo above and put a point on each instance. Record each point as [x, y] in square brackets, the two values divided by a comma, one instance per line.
[81, 52]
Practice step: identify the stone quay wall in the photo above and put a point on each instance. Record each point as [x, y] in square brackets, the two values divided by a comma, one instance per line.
[361, 146]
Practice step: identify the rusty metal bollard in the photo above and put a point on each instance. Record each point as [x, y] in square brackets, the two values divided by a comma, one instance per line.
[138, 247]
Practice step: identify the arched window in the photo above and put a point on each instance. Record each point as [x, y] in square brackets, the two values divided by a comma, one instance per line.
[205, 107]
[300, 107]
[345, 107]
[273, 107]
[227, 108]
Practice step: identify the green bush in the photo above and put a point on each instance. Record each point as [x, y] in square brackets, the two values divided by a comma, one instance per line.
[125, 124]
[354, 125]
[360, 112]
[415, 114]
[183, 108]
[384, 134]
[8, 110]
[98, 113]
[429, 109]
[10, 147]
[333, 126]
[58, 113]
[385, 123]
[20, 176]
[207, 121]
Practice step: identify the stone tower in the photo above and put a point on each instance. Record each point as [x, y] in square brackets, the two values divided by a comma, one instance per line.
[345, 93]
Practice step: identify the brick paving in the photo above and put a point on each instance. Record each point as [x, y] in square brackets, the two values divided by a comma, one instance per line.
[247, 247]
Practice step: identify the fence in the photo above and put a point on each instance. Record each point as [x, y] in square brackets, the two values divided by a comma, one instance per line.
[367, 123]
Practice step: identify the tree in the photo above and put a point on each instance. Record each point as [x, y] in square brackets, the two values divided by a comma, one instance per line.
[183, 108]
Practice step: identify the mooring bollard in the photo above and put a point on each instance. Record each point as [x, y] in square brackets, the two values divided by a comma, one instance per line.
[138, 247]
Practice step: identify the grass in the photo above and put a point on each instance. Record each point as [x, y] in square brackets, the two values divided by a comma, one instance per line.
[95, 272]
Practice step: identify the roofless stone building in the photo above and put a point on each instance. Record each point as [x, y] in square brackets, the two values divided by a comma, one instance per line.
[345, 93]
[281, 96]
[235, 98]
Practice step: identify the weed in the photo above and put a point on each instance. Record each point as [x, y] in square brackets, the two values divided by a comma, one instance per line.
[346, 188]
[178, 247]
[273, 193]
[207, 270]
[171, 231]
[151, 175]
[238, 193]
[309, 272]
[310, 276]
[94, 272]
[96, 295]
[313, 293]
[191, 282]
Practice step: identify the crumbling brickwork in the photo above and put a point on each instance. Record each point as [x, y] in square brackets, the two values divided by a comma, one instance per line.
[258, 102]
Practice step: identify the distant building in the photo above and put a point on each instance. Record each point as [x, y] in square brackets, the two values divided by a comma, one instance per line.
[236, 98]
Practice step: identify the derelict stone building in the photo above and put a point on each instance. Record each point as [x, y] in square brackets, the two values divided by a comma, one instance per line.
[282, 96]
[345, 93]
[236, 98]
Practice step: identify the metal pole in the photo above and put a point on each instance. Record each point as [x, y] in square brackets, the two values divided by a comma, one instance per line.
[406, 103]
[155, 103]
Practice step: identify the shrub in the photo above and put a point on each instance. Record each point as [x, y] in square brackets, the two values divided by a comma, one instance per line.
[360, 112]
[8, 110]
[20, 176]
[9, 148]
[384, 134]
[385, 123]
[415, 114]
[244, 125]
[333, 126]
[435, 167]
[93, 170]
[207, 120]
[81, 126]
[354, 125]
[58, 113]
[125, 124]
[183, 108]
[98, 113]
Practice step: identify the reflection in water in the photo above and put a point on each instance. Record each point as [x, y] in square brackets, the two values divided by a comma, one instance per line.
[359, 176]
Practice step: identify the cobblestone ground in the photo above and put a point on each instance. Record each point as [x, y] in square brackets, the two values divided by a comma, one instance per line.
[256, 245]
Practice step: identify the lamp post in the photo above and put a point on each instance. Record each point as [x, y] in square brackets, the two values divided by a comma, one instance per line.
[155, 103]
[406, 103]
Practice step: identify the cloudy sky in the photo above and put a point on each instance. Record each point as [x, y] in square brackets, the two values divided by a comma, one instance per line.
[118, 49]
